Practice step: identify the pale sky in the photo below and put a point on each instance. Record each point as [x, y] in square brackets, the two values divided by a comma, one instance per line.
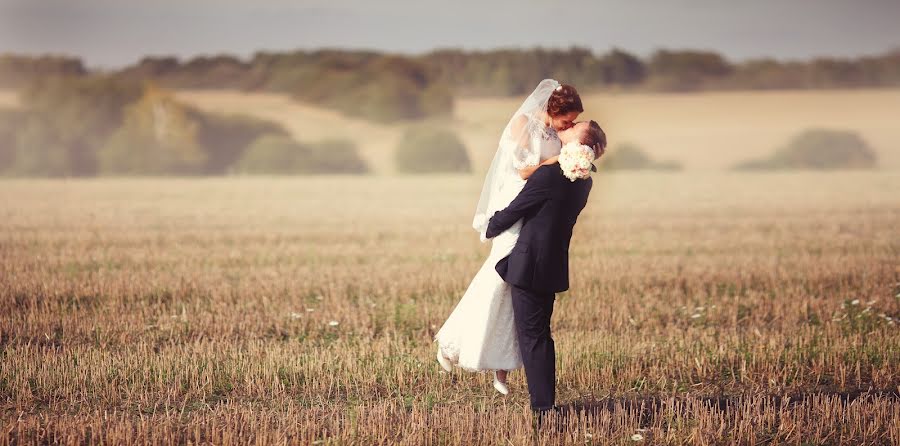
[113, 33]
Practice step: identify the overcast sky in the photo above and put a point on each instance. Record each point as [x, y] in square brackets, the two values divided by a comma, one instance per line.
[112, 33]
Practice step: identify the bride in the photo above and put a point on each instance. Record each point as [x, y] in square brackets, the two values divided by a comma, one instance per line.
[480, 334]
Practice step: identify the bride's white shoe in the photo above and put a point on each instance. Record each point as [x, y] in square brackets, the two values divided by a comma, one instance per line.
[500, 386]
[444, 362]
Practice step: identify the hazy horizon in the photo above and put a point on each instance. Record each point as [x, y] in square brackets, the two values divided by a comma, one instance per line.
[783, 30]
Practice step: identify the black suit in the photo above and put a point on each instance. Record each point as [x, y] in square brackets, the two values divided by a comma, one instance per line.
[538, 267]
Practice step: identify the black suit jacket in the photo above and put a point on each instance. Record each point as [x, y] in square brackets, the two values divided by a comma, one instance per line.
[549, 204]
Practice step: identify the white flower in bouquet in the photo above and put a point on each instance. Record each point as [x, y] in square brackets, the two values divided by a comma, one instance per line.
[576, 160]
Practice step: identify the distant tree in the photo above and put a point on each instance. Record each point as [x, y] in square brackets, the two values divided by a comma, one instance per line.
[506, 72]
[272, 154]
[18, 70]
[430, 149]
[220, 71]
[621, 68]
[386, 100]
[226, 137]
[687, 70]
[830, 72]
[41, 149]
[151, 68]
[213, 72]
[100, 124]
[157, 137]
[885, 69]
[819, 149]
[767, 74]
[281, 155]
[334, 156]
[11, 123]
[69, 118]
[381, 88]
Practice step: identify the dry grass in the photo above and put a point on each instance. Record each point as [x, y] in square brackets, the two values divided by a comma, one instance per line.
[705, 308]
[707, 131]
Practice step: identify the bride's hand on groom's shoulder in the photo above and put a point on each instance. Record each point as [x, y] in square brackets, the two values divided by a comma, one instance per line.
[551, 160]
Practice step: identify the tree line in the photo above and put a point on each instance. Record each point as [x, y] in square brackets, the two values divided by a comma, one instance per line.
[389, 87]
[101, 125]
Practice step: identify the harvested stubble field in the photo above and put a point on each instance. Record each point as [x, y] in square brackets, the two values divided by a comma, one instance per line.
[704, 308]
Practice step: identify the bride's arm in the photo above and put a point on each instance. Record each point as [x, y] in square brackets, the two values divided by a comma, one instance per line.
[525, 159]
[528, 171]
[527, 152]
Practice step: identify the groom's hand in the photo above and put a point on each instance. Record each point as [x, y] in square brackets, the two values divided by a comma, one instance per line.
[488, 233]
[536, 191]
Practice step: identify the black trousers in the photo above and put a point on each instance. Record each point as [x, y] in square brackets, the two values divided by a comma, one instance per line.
[532, 311]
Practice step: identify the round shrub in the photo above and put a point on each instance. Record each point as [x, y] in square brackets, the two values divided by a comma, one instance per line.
[827, 149]
[819, 149]
[272, 154]
[431, 149]
[334, 156]
[227, 136]
[279, 154]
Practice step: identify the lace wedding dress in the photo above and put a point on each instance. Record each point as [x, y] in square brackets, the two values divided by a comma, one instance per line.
[480, 333]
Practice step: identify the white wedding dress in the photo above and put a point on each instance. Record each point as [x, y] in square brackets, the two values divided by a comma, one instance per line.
[480, 333]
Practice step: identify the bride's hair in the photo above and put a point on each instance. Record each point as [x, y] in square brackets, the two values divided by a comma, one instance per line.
[564, 100]
[595, 138]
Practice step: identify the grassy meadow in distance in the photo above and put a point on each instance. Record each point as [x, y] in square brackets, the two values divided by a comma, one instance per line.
[706, 307]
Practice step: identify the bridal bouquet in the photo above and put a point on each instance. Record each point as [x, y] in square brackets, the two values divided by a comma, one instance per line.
[576, 160]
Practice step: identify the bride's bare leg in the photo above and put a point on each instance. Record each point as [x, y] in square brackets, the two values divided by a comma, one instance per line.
[501, 376]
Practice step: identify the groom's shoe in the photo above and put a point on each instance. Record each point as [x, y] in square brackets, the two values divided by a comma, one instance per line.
[444, 362]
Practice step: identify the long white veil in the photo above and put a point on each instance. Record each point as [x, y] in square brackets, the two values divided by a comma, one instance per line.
[514, 149]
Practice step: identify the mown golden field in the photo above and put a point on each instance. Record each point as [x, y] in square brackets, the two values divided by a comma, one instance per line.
[706, 308]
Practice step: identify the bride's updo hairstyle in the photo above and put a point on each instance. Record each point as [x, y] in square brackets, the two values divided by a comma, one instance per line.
[564, 100]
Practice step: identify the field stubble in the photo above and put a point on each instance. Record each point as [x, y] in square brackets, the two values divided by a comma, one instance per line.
[704, 308]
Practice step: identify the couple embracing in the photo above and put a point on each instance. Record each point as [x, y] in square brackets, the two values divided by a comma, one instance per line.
[537, 185]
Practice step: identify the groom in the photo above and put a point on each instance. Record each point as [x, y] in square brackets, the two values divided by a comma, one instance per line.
[538, 266]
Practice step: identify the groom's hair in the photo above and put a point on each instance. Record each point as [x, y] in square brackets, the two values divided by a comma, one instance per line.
[564, 100]
[595, 138]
